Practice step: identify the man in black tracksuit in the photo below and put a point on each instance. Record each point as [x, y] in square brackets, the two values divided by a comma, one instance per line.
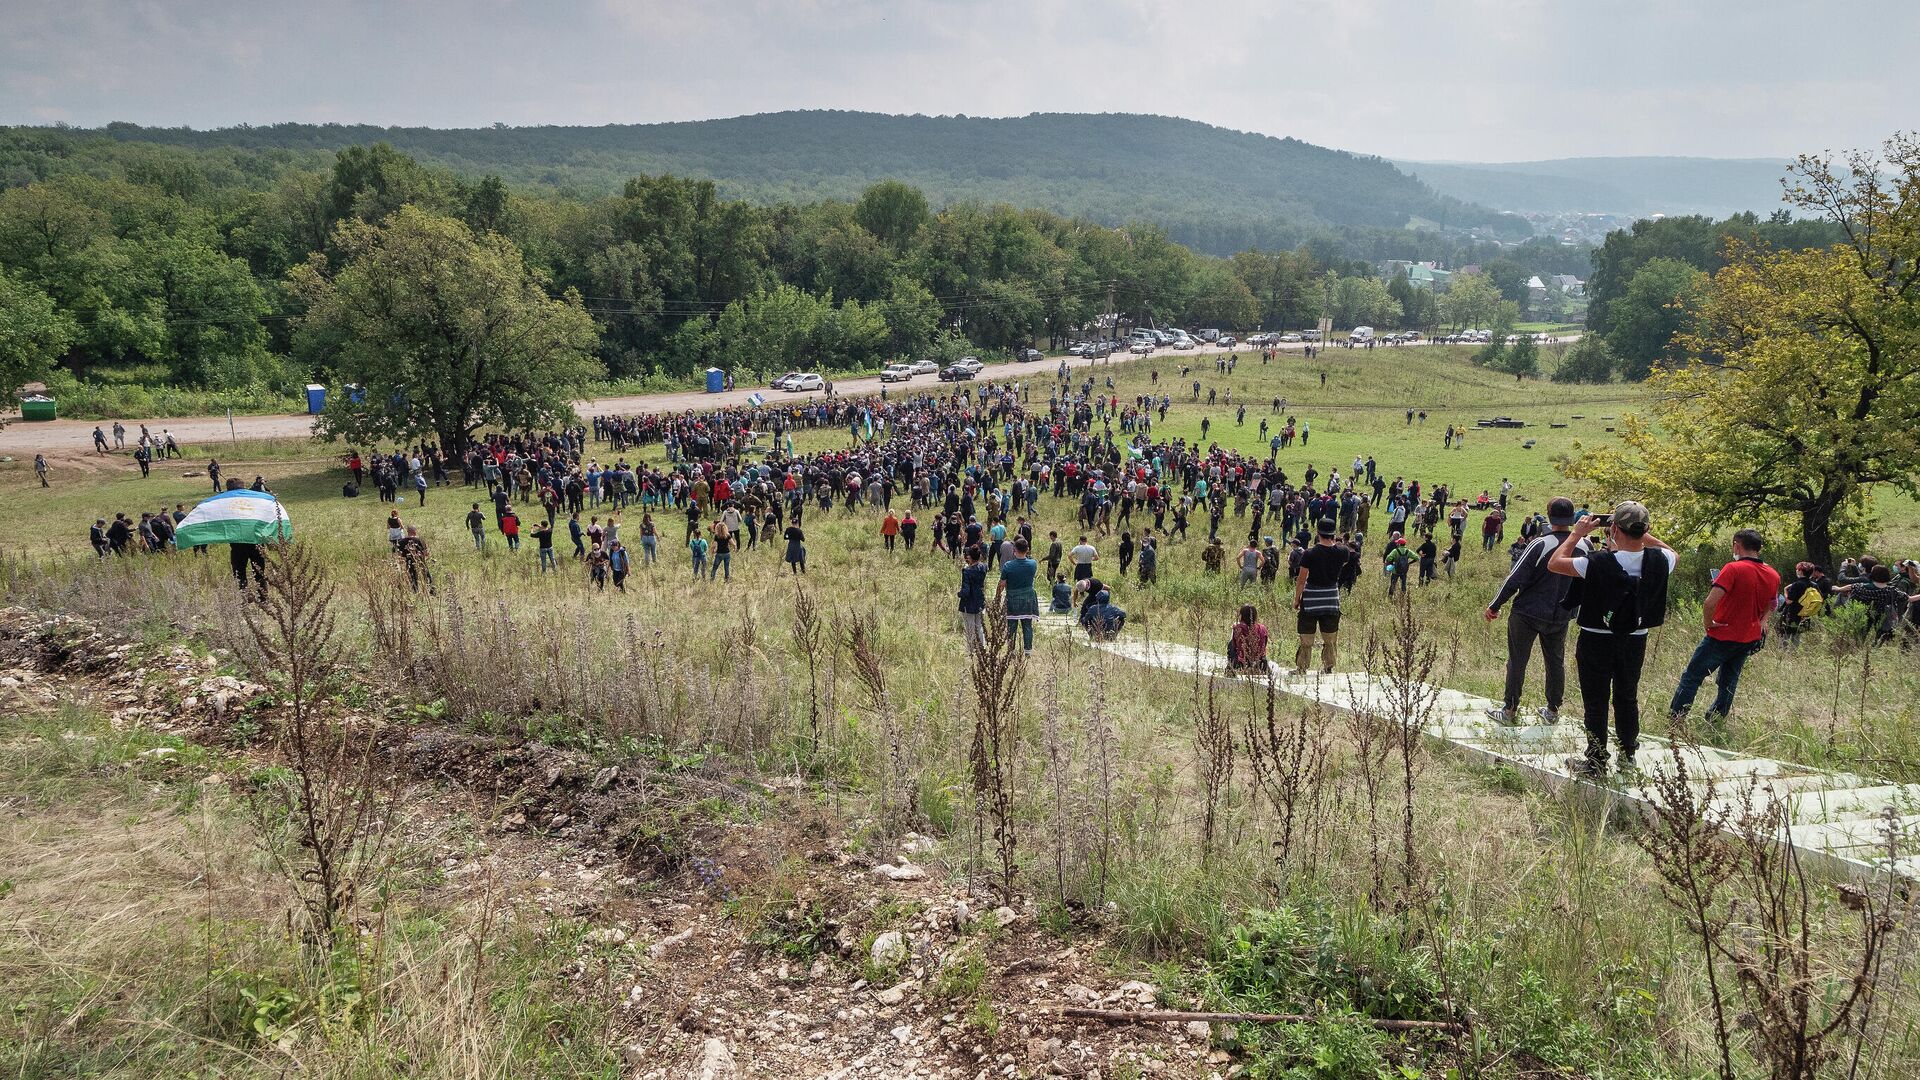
[1623, 595]
[1541, 612]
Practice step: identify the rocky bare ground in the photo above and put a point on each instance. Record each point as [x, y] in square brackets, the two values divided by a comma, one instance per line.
[763, 944]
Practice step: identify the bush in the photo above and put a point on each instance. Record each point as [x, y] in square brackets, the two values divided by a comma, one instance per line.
[1589, 360]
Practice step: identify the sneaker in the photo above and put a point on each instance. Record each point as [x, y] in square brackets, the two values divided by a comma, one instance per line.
[1549, 716]
[1586, 768]
[1500, 716]
[1626, 766]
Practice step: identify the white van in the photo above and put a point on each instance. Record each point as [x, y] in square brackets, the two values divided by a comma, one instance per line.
[1361, 334]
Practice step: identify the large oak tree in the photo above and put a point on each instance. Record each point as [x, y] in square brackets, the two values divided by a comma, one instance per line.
[446, 333]
[1800, 392]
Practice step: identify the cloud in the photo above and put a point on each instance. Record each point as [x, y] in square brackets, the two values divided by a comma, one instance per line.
[1470, 79]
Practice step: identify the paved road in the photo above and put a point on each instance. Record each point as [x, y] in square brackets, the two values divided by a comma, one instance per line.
[73, 437]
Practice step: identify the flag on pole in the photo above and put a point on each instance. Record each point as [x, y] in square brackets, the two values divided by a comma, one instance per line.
[242, 516]
[867, 415]
[756, 400]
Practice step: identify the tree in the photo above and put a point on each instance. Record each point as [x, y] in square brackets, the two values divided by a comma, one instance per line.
[892, 211]
[1470, 301]
[444, 332]
[33, 334]
[1521, 359]
[1650, 314]
[1588, 360]
[1814, 397]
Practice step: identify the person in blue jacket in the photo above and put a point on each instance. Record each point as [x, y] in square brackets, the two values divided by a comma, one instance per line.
[973, 598]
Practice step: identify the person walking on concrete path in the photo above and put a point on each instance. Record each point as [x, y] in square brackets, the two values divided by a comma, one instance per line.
[1539, 615]
[1735, 613]
[1623, 594]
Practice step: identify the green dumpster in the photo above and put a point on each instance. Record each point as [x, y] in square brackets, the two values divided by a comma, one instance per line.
[38, 408]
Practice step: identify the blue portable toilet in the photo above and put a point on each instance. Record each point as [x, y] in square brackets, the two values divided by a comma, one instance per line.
[356, 393]
[716, 380]
[316, 398]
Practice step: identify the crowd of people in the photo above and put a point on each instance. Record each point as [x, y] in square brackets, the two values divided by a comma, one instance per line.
[966, 469]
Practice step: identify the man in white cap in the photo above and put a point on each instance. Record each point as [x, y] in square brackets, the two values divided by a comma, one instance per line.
[1623, 595]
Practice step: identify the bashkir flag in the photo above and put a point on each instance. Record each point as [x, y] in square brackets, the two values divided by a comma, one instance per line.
[235, 517]
[756, 400]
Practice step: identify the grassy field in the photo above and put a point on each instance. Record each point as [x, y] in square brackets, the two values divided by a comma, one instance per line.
[1536, 913]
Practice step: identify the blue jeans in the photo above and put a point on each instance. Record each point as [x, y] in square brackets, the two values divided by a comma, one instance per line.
[1726, 657]
[722, 560]
[546, 559]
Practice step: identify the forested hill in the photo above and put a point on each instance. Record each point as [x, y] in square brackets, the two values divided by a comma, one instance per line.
[1216, 190]
[1635, 186]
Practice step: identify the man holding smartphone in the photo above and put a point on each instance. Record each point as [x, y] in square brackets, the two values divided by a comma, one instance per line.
[1623, 596]
[1541, 611]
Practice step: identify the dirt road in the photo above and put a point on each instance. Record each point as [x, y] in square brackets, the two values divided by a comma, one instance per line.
[70, 438]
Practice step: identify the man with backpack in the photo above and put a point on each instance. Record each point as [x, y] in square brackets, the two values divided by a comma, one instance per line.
[1623, 595]
[1735, 612]
[1541, 612]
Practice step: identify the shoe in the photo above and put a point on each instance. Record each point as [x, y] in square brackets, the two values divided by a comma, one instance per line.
[1626, 766]
[1586, 768]
[1549, 716]
[1500, 716]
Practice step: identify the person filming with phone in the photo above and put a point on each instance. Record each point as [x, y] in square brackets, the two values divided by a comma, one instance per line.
[1623, 596]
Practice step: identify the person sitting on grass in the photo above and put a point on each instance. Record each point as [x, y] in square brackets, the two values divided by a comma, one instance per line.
[1103, 619]
[1247, 648]
[1062, 596]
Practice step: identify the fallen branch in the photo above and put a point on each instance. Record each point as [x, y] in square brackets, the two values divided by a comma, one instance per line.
[1156, 1016]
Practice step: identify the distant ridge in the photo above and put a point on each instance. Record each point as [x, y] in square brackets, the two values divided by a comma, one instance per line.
[1633, 186]
[1214, 189]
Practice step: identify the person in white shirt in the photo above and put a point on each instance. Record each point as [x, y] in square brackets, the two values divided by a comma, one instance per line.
[1082, 555]
[1623, 594]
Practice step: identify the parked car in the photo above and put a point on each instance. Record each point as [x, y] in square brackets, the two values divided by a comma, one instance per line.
[1078, 348]
[1310, 335]
[781, 382]
[1140, 348]
[896, 373]
[957, 371]
[1360, 335]
[1226, 341]
[1028, 355]
[1291, 338]
[925, 367]
[971, 363]
[802, 381]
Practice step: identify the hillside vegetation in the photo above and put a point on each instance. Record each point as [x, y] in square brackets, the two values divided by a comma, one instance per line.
[1213, 189]
[1611, 185]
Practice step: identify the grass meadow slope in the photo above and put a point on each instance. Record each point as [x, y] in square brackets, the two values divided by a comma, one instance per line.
[1432, 892]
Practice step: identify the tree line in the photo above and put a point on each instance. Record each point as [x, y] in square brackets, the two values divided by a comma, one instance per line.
[178, 266]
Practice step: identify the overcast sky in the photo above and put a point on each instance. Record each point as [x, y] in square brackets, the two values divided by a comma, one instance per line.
[1484, 80]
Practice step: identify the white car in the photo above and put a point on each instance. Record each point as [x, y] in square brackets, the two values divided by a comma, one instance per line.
[925, 367]
[802, 381]
[1290, 338]
[971, 363]
[1141, 348]
[896, 373]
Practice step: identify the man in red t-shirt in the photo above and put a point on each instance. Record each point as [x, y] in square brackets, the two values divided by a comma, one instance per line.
[1735, 613]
